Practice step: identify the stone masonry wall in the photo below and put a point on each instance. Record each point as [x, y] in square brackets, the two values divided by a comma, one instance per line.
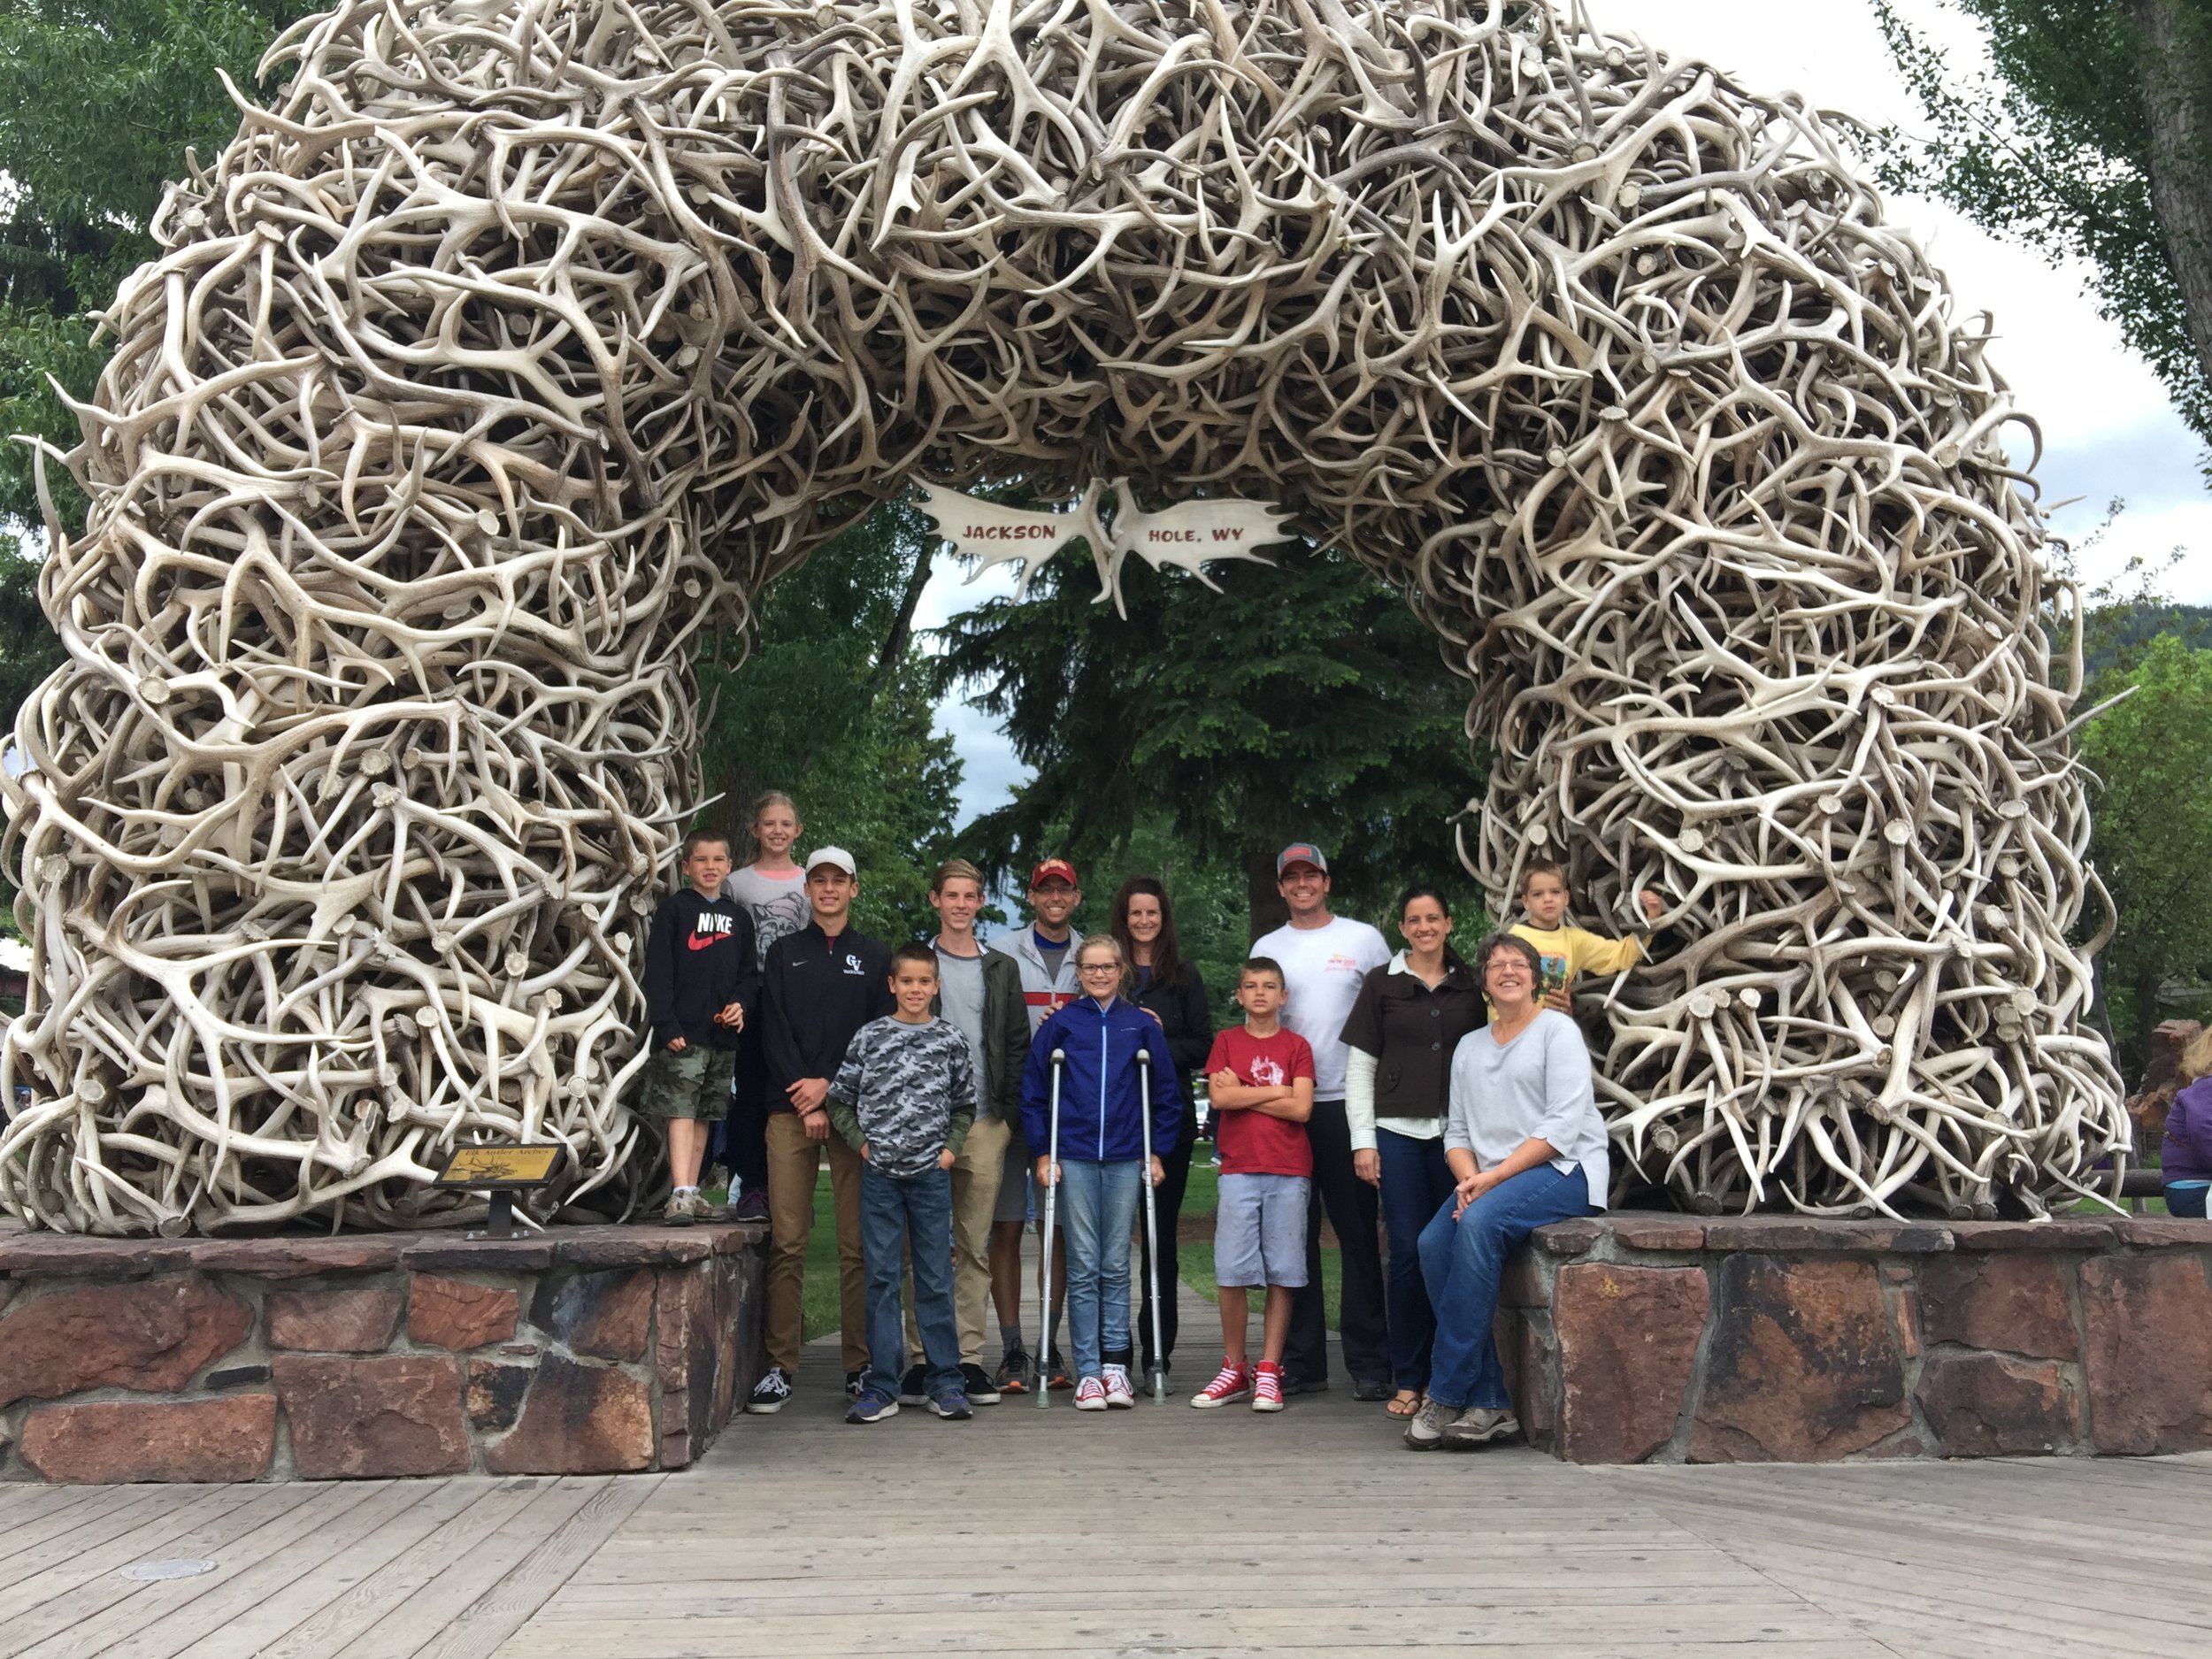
[1670, 1339]
[588, 1350]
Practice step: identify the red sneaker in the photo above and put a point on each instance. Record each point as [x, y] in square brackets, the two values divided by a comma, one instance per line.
[1267, 1388]
[1234, 1383]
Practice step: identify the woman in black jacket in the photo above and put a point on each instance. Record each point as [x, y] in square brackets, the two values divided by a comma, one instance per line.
[1408, 1019]
[1170, 990]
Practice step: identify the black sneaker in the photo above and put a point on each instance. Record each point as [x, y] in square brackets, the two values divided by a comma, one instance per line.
[911, 1392]
[979, 1389]
[1299, 1383]
[752, 1206]
[771, 1394]
[854, 1380]
[871, 1406]
[951, 1405]
[1363, 1389]
[1056, 1370]
[1016, 1373]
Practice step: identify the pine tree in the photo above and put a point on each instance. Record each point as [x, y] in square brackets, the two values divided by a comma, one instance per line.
[1303, 701]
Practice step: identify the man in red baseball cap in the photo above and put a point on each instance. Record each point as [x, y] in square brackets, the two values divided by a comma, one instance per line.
[1045, 952]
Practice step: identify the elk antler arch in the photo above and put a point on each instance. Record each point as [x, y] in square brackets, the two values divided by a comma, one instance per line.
[524, 340]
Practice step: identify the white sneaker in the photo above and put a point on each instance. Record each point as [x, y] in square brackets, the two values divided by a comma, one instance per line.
[1090, 1395]
[1119, 1395]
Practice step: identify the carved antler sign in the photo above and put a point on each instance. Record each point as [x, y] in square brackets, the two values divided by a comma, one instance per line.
[1186, 535]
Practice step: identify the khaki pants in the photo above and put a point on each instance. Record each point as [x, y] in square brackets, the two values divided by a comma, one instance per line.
[975, 1181]
[793, 1163]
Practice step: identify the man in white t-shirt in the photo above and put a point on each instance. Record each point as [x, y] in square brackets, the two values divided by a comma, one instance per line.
[1325, 959]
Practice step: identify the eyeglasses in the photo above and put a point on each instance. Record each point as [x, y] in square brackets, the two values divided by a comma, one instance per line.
[1098, 967]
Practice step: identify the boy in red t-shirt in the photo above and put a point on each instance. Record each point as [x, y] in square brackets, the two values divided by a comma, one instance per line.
[1260, 1078]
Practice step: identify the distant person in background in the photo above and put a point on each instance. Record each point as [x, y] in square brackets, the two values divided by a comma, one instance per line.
[1402, 1034]
[772, 889]
[2185, 1157]
[1045, 952]
[1170, 990]
[1325, 959]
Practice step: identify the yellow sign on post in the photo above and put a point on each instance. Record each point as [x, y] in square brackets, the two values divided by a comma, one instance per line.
[503, 1172]
[500, 1166]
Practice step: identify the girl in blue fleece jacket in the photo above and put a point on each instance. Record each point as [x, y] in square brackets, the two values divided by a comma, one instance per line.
[1102, 1153]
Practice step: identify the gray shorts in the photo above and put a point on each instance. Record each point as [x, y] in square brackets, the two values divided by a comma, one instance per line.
[1013, 1185]
[1260, 1231]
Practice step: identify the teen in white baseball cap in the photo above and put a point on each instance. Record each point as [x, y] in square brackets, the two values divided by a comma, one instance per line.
[836, 855]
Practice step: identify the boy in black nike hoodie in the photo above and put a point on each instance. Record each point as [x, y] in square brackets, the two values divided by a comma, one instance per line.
[702, 979]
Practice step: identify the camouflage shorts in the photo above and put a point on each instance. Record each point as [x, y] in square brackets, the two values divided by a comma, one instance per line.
[694, 1084]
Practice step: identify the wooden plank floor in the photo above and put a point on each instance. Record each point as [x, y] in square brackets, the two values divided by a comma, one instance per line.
[1163, 1531]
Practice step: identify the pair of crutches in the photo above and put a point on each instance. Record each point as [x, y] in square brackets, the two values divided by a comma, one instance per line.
[1155, 1375]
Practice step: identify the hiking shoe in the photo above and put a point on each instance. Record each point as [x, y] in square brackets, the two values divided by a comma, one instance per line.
[1480, 1426]
[1267, 1388]
[912, 1392]
[854, 1381]
[771, 1394]
[1424, 1429]
[872, 1406]
[1119, 1395]
[1368, 1390]
[1090, 1395]
[1059, 1380]
[751, 1206]
[951, 1405]
[684, 1209]
[978, 1387]
[1233, 1383]
[1016, 1372]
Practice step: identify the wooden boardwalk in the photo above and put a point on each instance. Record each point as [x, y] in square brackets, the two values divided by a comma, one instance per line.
[1159, 1532]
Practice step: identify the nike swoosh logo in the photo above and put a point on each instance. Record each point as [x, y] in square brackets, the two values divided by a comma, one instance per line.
[697, 943]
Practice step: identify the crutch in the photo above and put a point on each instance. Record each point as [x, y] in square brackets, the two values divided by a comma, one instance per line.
[1044, 1267]
[1156, 1374]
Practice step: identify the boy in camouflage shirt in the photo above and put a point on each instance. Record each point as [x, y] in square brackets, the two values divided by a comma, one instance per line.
[904, 1099]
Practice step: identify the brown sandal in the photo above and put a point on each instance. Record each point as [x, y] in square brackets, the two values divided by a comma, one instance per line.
[1405, 1403]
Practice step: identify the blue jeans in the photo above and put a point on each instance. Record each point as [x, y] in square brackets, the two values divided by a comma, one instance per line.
[1463, 1260]
[892, 1209]
[1097, 1207]
[1415, 1180]
[2187, 1201]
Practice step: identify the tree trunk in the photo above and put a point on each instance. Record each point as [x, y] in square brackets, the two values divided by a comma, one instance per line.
[901, 633]
[2171, 69]
[1268, 911]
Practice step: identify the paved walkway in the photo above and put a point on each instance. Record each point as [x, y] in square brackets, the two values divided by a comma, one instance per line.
[1163, 1531]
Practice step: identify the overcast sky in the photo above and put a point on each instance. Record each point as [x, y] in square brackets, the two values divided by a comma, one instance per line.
[2108, 427]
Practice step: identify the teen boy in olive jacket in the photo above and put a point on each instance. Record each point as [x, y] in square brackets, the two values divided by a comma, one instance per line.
[996, 1025]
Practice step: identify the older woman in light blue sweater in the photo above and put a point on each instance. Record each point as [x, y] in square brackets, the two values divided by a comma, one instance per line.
[1527, 1147]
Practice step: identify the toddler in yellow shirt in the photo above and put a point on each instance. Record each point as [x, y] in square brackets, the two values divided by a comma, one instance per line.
[1571, 951]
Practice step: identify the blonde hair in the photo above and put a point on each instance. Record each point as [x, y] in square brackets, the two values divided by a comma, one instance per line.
[1112, 946]
[768, 798]
[2196, 1059]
